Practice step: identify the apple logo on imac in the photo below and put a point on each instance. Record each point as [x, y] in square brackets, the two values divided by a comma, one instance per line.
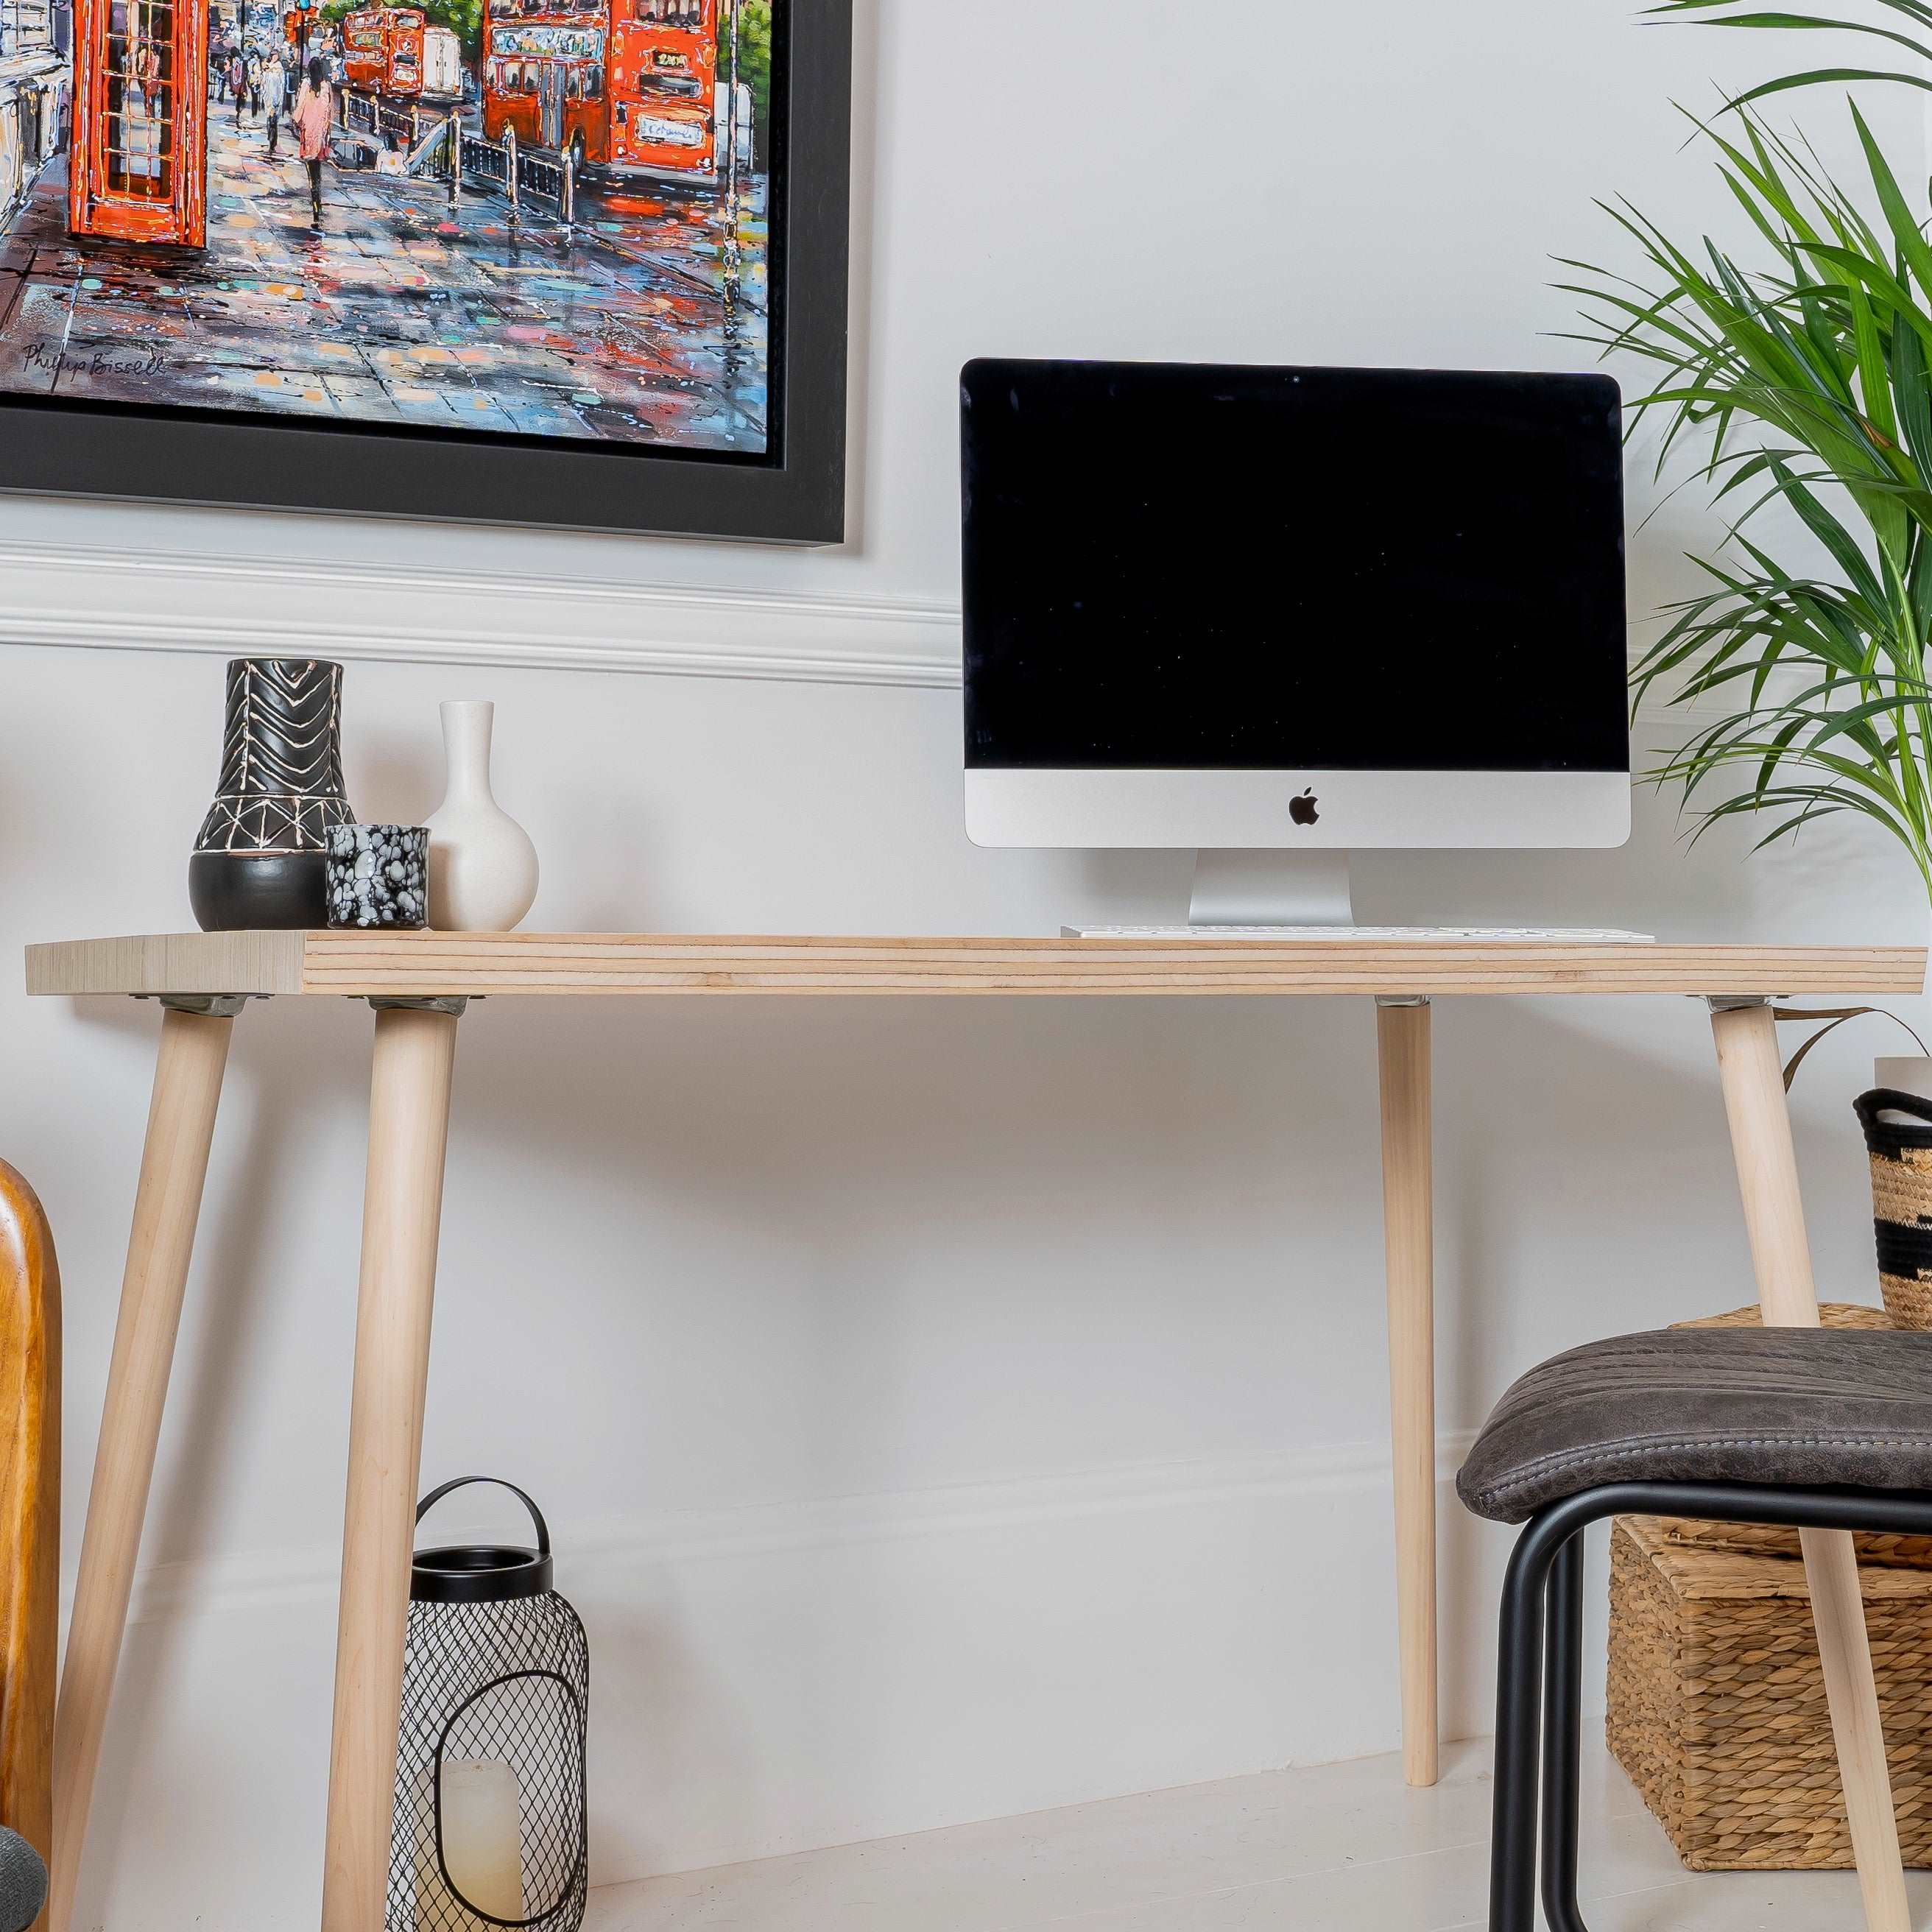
[1302, 809]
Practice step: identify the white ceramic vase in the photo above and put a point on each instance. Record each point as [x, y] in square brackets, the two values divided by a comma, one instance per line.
[482, 866]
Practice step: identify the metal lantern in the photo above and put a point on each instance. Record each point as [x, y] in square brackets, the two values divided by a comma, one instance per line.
[491, 1807]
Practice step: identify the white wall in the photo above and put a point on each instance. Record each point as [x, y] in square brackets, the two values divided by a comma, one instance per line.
[944, 1409]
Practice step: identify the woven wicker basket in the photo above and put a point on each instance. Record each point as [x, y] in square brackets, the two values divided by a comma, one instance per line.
[1901, 1177]
[1717, 1702]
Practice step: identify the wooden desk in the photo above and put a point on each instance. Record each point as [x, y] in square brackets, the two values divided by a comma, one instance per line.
[418, 982]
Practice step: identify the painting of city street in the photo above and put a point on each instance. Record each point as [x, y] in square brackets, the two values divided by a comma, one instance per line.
[515, 218]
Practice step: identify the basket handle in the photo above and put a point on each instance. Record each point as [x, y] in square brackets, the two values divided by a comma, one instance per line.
[1891, 1100]
[435, 1496]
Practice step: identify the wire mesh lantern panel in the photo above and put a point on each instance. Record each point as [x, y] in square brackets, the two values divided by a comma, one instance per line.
[490, 1803]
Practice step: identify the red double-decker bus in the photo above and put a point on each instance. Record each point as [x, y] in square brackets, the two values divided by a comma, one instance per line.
[383, 50]
[626, 85]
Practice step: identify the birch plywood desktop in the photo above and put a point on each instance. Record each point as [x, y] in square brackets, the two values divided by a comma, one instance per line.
[418, 983]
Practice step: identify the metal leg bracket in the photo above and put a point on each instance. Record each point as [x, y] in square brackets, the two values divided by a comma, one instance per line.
[208, 1005]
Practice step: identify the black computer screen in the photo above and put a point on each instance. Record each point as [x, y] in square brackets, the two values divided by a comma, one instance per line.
[1184, 565]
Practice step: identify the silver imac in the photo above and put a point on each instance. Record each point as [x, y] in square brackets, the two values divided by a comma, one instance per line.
[1274, 614]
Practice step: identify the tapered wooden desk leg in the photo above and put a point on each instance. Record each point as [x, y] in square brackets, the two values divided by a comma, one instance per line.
[167, 1202]
[1402, 1041]
[1748, 1061]
[402, 1207]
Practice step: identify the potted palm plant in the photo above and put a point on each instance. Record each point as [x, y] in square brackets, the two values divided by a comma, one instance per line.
[1799, 373]
[1801, 376]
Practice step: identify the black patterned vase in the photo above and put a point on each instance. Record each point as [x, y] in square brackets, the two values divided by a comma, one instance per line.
[262, 859]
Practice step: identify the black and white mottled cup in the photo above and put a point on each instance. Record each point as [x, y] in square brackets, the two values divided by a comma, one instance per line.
[378, 875]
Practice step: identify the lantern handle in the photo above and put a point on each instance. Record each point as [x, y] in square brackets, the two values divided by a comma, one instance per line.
[435, 1496]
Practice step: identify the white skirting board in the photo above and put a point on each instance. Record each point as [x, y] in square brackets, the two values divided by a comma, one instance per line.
[771, 1680]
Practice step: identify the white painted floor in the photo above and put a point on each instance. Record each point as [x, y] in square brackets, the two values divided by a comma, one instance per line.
[1337, 1848]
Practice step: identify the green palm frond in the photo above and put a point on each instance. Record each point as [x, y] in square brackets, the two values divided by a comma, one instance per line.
[1741, 14]
[1801, 375]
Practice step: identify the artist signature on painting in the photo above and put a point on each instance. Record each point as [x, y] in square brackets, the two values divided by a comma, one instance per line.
[51, 357]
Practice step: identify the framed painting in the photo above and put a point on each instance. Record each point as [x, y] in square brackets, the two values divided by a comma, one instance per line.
[568, 262]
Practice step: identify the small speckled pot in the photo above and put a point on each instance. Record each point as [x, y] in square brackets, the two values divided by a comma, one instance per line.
[378, 875]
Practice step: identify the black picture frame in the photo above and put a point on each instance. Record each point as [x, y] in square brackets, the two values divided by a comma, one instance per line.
[794, 493]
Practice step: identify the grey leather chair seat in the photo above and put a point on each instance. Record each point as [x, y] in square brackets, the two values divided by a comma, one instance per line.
[1800, 1407]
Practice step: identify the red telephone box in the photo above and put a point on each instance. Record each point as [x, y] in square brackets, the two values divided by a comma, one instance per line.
[138, 163]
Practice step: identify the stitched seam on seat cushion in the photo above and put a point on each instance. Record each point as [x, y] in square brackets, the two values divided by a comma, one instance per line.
[1555, 1461]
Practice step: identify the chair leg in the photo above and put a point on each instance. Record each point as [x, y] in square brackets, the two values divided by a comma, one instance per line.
[1518, 1699]
[1543, 1596]
[1563, 1738]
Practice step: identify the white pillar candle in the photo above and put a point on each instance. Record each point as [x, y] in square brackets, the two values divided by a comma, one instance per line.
[482, 1846]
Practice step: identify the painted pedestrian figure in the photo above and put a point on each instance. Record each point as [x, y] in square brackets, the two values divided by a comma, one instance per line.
[315, 110]
[142, 110]
[274, 96]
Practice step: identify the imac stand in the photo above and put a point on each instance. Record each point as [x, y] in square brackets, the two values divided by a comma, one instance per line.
[1269, 888]
[1277, 896]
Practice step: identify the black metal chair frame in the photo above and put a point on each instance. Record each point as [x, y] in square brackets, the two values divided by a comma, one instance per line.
[1542, 1616]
